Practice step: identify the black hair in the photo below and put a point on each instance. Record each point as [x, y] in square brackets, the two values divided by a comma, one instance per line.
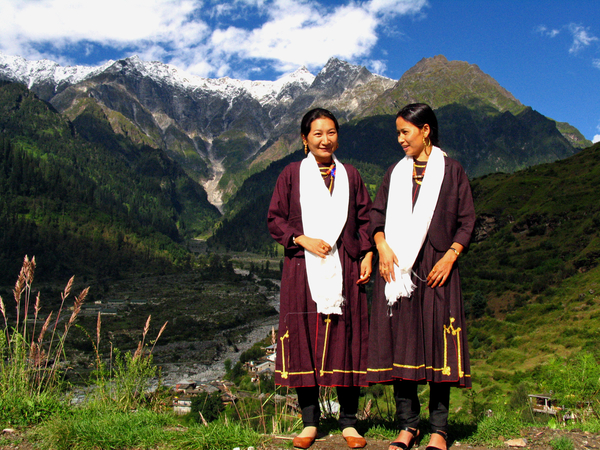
[314, 114]
[420, 114]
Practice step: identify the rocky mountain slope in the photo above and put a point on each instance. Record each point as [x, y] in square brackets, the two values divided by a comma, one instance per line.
[210, 126]
[221, 131]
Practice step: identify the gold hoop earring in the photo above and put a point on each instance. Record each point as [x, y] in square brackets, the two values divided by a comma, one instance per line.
[306, 148]
[427, 144]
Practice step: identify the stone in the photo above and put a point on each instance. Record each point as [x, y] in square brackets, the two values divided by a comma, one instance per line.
[521, 442]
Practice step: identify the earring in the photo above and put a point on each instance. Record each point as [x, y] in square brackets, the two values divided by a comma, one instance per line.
[427, 144]
[306, 148]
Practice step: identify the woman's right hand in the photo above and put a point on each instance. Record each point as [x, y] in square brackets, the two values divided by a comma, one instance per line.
[387, 261]
[317, 246]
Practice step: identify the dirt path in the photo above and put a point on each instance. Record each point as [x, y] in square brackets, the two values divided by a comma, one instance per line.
[536, 438]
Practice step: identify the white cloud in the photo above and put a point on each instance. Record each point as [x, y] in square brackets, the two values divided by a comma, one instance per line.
[204, 37]
[544, 31]
[69, 21]
[304, 35]
[596, 63]
[596, 138]
[395, 7]
[581, 38]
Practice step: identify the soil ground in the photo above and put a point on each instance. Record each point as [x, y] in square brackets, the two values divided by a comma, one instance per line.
[536, 438]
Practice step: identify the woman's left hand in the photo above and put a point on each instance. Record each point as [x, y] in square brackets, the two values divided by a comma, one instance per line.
[366, 268]
[441, 271]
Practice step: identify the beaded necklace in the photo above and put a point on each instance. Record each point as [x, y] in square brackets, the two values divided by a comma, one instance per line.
[418, 174]
[419, 171]
[328, 174]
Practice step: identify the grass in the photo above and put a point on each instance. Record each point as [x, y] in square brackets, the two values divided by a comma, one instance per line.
[562, 443]
[32, 361]
[511, 360]
[86, 428]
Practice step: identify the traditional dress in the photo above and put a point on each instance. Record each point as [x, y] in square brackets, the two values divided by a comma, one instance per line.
[423, 338]
[315, 349]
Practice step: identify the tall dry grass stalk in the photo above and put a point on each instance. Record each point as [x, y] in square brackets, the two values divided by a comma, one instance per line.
[31, 364]
[124, 385]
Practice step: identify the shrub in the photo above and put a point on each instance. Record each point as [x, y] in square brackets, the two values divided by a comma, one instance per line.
[207, 406]
[575, 380]
[490, 429]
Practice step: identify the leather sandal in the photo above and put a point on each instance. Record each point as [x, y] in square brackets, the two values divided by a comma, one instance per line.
[442, 434]
[354, 441]
[415, 434]
[303, 442]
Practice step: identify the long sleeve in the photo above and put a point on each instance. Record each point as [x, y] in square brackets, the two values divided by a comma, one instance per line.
[362, 212]
[284, 218]
[378, 210]
[465, 211]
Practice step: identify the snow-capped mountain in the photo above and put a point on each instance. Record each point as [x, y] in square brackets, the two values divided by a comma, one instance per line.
[33, 73]
[211, 126]
[36, 73]
[223, 130]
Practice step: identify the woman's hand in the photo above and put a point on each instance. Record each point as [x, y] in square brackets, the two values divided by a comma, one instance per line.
[366, 267]
[317, 246]
[441, 271]
[387, 258]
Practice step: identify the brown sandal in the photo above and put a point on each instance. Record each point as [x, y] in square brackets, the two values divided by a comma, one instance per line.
[415, 434]
[442, 434]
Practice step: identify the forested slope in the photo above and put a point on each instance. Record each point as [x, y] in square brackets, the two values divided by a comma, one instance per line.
[84, 200]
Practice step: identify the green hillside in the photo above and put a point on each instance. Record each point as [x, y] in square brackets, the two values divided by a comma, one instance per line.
[87, 201]
[536, 227]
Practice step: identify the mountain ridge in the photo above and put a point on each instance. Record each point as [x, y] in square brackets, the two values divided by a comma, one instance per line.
[222, 131]
[32, 73]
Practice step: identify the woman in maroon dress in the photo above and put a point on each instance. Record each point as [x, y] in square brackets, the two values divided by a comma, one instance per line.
[319, 212]
[421, 221]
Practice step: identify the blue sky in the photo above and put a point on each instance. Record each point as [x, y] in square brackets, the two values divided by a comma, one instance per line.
[546, 52]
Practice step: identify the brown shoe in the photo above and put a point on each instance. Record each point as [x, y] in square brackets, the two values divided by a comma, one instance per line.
[355, 441]
[303, 442]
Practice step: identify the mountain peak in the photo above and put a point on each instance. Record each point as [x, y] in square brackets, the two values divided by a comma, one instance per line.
[338, 75]
[29, 73]
[438, 82]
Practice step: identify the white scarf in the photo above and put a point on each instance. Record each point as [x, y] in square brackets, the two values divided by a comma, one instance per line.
[324, 215]
[405, 227]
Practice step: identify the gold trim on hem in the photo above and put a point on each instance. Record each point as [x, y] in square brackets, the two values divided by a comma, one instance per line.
[328, 372]
[446, 369]
[284, 373]
[328, 322]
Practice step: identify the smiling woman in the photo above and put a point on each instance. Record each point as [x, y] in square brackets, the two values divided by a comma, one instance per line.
[321, 139]
[421, 221]
[319, 213]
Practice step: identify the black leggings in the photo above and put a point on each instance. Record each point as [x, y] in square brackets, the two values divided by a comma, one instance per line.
[408, 407]
[308, 399]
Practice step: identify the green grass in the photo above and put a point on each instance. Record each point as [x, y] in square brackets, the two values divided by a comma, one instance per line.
[491, 429]
[562, 443]
[90, 429]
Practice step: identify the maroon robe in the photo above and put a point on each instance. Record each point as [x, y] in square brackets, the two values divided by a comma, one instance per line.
[425, 337]
[317, 349]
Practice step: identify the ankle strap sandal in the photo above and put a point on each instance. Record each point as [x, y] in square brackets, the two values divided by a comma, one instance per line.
[415, 435]
[442, 434]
